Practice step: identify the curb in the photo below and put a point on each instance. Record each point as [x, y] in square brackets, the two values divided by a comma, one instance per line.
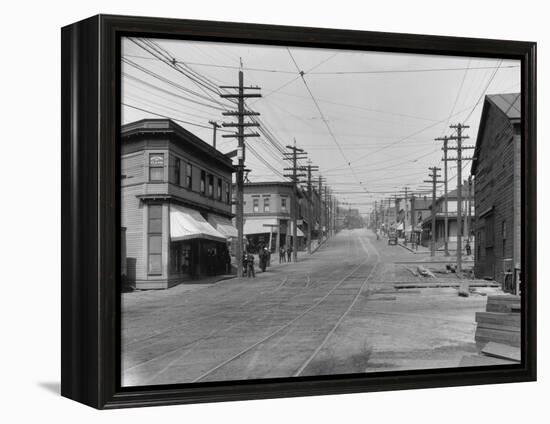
[408, 248]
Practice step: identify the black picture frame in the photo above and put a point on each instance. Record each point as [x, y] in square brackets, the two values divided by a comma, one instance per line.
[91, 198]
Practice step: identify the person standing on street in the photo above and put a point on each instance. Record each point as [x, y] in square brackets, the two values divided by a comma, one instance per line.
[245, 264]
[282, 254]
[250, 262]
[289, 253]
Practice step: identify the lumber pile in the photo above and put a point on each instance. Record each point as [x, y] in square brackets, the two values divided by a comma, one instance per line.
[498, 332]
[500, 323]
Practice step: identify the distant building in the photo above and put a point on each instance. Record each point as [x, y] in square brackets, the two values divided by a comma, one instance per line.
[268, 208]
[497, 173]
[452, 204]
[175, 205]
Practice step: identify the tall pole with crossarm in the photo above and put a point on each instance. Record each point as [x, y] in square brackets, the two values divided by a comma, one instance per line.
[459, 137]
[294, 156]
[240, 125]
[434, 181]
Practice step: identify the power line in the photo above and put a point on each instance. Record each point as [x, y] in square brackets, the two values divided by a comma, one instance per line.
[323, 118]
[165, 116]
[401, 71]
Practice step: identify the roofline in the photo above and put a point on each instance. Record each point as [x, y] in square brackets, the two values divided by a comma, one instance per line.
[140, 127]
[269, 183]
[482, 120]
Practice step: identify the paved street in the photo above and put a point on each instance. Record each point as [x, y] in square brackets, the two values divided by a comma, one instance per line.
[333, 312]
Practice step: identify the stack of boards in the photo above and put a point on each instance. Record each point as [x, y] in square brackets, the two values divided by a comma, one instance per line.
[498, 333]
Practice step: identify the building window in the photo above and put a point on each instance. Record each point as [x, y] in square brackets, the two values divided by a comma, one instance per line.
[256, 205]
[219, 192]
[175, 177]
[283, 204]
[266, 204]
[156, 167]
[189, 176]
[203, 182]
[210, 185]
[154, 233]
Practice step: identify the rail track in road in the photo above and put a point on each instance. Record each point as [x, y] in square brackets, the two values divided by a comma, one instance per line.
[324, 303]
[321, 312]
[286, 283]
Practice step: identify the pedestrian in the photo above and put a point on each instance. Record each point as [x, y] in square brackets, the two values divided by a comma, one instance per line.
[289, 253]
[250, 263]
[268, 251]
[263, 259]
[226, 260]
[245, 264]
[282, 254]
[468, 249]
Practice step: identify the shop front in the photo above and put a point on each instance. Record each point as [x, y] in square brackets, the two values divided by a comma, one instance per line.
[197, 248]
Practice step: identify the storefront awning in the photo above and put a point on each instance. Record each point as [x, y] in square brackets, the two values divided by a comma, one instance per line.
[223, 225]
[260, 226]
[188, 224]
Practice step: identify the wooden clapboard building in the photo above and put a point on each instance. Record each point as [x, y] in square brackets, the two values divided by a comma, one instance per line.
[268, 210]
[496, 170]
[175, 205]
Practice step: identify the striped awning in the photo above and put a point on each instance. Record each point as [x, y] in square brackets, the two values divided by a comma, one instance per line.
[188, 224]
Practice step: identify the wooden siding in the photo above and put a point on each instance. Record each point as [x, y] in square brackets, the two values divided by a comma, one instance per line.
[495, 188]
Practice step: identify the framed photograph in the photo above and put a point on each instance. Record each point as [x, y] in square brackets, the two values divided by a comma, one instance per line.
[255, 211]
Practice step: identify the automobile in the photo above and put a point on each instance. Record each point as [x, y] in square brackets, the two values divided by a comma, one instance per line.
[392, 237]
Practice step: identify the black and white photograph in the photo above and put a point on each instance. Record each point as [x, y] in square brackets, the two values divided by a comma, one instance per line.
[301, 212]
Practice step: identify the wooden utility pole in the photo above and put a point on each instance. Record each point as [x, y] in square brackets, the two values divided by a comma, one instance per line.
[405, 218]
[310, 169]
[434, 176]
[445, 149]
[215, 126]
[459, 148]
[240, 113]
[469, 217]
[321, 213]
[293, 156]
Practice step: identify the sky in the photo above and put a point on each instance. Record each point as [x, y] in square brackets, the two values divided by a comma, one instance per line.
[368, 120]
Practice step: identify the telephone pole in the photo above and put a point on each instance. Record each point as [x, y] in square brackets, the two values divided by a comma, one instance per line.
[469, 217]
[215, 126]
[310, 169]
[434, 176]
[293, 156]
[240, 135]
[405, 219]
[445, 149]
[459, 148]
[320, 212]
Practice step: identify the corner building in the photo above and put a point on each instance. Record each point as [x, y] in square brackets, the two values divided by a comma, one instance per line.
[175, 205]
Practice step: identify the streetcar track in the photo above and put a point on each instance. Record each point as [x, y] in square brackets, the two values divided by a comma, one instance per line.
[288, 324]
[216, 333]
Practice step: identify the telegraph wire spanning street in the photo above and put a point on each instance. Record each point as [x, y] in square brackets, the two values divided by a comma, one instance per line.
[293, 212]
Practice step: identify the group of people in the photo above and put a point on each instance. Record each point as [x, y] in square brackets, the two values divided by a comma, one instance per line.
[285, 254]
[217, 260]
[264, 255]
